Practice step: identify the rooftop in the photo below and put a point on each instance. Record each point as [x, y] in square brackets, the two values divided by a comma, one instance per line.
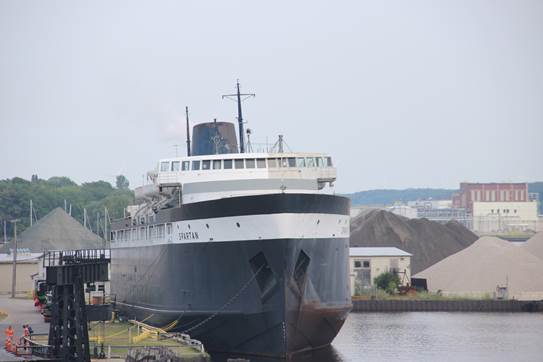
[21, 257]
[377, 251]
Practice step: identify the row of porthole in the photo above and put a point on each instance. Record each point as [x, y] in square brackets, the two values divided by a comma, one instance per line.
[207, 225]
[238, 225]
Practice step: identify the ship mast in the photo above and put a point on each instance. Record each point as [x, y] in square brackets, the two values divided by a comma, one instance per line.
[188, 131]
[238, 96]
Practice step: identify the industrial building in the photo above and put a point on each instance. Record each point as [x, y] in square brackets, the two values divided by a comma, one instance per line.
[490, 192]
[367, 263]
[499, 207]
[28, 264]
[403, 210]
[497, 217]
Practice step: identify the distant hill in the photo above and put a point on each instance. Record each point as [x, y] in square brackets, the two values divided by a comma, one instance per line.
[387, 197]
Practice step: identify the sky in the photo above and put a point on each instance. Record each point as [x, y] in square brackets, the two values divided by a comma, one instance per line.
[400, 93]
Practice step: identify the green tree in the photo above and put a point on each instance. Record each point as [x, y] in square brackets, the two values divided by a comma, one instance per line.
[16, 193]
[61, 181]
[122, 182]
[387, 281]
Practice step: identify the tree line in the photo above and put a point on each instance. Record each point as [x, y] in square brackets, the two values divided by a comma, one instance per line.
[46, 195]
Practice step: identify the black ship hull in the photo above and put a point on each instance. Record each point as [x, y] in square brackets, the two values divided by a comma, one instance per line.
[271, 297]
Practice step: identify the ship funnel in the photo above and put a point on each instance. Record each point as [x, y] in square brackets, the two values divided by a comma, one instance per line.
[213, 138]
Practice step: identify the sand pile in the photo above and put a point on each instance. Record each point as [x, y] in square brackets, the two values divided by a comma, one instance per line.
[489, 262]
[535, 245]
[58, 231]
[428, 241]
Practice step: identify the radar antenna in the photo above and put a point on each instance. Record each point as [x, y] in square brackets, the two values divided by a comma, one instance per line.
[238, 99]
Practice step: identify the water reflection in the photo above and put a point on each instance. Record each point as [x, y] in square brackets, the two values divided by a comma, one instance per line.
[424, 336]
[329, 354]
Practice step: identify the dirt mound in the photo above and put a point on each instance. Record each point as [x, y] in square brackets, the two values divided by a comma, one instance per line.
[535, 245]
[58, 231]
[487, 263]
[428, 241]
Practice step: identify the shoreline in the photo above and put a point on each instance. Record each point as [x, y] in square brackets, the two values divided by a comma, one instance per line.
[468, 305]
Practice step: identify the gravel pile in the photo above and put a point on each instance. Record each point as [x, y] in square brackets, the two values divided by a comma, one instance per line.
[489, 262]
[535, 245]
[58, 231]
[428, 241]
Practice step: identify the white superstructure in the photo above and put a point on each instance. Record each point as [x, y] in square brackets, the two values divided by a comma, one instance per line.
[210, 177]
[192, 179]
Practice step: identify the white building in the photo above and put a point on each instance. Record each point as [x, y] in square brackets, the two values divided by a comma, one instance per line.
[367, 263]
[28, 264]
[491, 217]
[403, 210]
[430, 204]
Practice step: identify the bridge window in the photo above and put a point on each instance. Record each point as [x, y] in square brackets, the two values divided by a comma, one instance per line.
[300, 162]
[160, 231]
[320, 162]
[206, 164]
[217, 164]
[261, 162]
[185, 166]
[164, 166]
[329, 161]
[284, 163]
[195, 165]
[227, 164]
[310, 162]
[273, 163]
[239, 163]
[175, 165]
[291, 162]
[250, 162]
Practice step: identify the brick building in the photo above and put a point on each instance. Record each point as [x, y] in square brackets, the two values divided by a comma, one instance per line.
[489, 192]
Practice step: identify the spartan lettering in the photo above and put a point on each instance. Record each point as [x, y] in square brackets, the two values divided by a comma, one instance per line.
[188, 235]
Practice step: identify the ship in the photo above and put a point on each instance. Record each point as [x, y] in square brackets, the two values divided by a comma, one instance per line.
[245, 250]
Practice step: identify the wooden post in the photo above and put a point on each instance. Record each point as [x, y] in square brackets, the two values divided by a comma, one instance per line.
[14, 270]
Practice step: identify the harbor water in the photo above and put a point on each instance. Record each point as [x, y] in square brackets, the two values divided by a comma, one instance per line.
[432, 336]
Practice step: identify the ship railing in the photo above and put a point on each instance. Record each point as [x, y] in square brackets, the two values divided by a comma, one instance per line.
[80, 256]
[157, 333]
[29, 347]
